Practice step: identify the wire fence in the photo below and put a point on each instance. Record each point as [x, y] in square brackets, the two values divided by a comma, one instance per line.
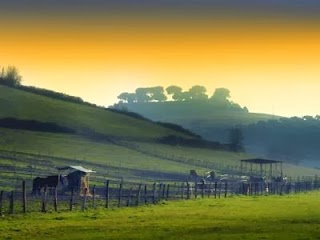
[116, 194]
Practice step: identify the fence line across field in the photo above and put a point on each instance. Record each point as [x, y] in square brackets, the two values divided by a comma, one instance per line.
[116, 194]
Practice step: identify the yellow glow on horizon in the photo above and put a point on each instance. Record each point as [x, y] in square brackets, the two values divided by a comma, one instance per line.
[265, 68]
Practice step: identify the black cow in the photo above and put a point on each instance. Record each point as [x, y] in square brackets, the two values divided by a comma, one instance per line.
[50, 182]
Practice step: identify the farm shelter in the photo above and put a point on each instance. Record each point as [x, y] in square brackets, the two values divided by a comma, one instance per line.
[264, 166]
[78, 178]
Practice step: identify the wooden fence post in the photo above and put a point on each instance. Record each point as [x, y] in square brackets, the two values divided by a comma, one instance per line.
[11, 206]
[94, 197]
[182, 190]
[84, 199]
[215, 189]
[71, 199]
[145, 195]
[225, 189]
[55, 199]
[163, 191]
[154, 192]
[195, 190]
[24, 197]
[44, 199]
[1, 203]
[120, 195]
[168, 189]
[220, 183]
[138, 195]
[202, 189]
[188, 190]
[107, 194]
[129, 198]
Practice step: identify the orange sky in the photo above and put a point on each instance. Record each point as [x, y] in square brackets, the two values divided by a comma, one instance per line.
[269, 66]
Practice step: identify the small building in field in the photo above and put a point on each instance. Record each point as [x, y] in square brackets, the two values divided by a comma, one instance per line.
[78, 178]
[265, 167]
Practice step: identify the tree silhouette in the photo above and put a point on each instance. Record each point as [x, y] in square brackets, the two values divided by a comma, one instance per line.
[176, 92]
[142, 95]
[198, 92]
[157, 94]
[127, 97]
[236, 139]
[221, 95]
[10, 76]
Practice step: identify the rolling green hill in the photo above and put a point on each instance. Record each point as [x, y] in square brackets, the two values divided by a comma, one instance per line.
[133, 154]
[80, 117]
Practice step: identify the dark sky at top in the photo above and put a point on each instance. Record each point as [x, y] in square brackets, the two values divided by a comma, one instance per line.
[282, 8]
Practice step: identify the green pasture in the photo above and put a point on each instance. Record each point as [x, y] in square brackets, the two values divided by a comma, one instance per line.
[294, 216]
[114, 161]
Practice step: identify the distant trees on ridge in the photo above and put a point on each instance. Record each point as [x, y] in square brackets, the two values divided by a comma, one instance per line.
[220, 98]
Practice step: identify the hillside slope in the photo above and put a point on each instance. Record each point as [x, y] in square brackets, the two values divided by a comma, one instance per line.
[80, 117]
[25, 154]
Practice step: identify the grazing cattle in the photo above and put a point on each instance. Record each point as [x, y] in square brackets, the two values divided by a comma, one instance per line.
[51, 182]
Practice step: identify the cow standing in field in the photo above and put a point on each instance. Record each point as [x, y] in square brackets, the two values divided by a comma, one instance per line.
[41, 182]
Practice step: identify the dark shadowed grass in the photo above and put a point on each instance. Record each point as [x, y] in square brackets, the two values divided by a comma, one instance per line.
[269, 217]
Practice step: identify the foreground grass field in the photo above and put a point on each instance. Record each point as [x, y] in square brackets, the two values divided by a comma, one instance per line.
[269, 217]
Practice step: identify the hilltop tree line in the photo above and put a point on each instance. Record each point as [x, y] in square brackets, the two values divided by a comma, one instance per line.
[220, 97]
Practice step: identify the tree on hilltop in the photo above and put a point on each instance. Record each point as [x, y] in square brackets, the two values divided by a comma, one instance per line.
[142, 95]
[157, 94]
[10, 76]
[198, 92]
[127, 97]
[221, 95]
[176, 92]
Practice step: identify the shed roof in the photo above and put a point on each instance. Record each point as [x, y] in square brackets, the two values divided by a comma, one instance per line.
[260, 161]
[78, 168]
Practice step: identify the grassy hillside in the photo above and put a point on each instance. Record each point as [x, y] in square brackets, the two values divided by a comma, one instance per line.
[24, 105]
[134, 155]
[26, 154]
[270, 217]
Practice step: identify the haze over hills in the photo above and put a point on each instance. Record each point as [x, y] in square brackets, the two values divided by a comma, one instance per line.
[289, 139]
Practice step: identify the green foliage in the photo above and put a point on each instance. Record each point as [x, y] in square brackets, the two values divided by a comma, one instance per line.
[198, 93]
[10, 76]
[221, 95]
[175, 91]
